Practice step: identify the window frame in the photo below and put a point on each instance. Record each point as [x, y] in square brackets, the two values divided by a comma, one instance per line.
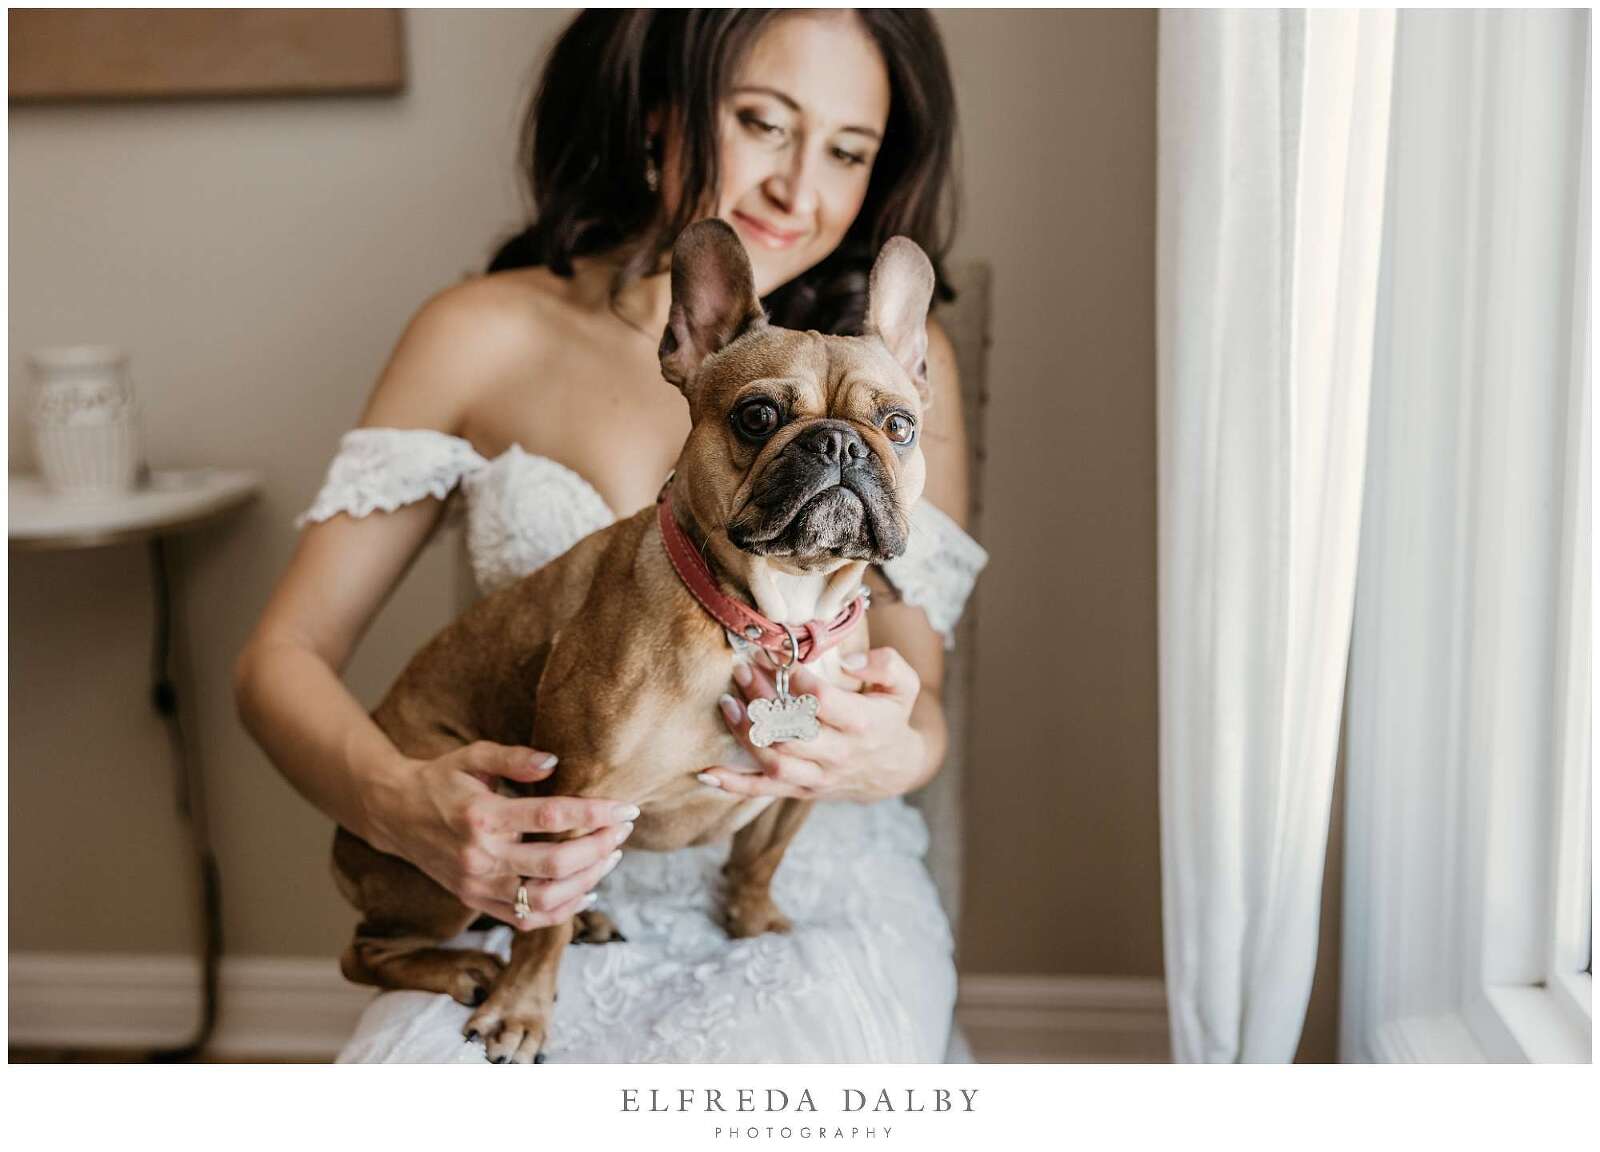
[1469, 717]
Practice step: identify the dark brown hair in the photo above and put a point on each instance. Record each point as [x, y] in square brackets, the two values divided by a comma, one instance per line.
[584, 150]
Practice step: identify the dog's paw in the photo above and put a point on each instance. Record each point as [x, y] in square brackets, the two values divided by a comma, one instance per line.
[475, 974]
[753, 915]
[508, 1036]
[595, 927]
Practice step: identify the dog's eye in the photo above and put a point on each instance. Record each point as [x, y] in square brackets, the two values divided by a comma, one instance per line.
[900, 428]
[757, 419]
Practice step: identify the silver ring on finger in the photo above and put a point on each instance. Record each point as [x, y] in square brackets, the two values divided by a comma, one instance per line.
[521, 909]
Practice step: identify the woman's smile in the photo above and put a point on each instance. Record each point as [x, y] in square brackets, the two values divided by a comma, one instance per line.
[765, 234]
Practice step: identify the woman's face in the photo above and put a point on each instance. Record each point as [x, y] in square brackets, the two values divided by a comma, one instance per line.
[798, 133]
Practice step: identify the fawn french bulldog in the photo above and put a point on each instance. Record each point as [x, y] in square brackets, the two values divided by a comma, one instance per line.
[801, 469]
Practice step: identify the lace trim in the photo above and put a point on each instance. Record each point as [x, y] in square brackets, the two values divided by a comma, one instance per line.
[938, 569]
[523, 512]
[381, 469]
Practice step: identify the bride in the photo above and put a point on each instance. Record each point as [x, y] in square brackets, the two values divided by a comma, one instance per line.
[536, 391]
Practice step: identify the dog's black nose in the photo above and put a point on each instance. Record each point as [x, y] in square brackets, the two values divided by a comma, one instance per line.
[836, 442]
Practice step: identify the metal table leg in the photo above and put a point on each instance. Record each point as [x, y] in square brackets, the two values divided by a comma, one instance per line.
[165, 655]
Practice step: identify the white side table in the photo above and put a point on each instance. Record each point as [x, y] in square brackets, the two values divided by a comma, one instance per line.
[170, 504]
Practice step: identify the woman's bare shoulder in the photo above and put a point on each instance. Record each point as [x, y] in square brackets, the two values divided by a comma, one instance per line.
[463, 343]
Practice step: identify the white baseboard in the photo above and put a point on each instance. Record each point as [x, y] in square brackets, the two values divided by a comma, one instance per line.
[1064, 1019]
[271, 1007]
[301, 1007]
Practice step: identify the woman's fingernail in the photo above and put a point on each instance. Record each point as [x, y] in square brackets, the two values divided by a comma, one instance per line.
[625, 813]
[591, 900]
[544, 761]
[709, 780]
[854, 660]
[742, 674]
[611, 862]
[622, 833]
[730, 708]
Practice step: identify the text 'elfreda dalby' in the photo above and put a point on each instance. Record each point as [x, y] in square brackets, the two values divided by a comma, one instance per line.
[778, 1100]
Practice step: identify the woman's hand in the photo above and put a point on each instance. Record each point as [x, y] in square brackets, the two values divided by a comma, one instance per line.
[445, 817]
[866, 748]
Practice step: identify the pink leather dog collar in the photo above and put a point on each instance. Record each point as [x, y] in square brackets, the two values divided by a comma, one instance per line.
[804, 642]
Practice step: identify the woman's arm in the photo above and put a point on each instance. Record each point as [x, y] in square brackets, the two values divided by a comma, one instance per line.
[286, 679]
[442, 815]
[890, 738]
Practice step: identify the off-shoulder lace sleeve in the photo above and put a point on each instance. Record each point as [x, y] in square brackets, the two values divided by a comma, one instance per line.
[381, 469]
[938, 568]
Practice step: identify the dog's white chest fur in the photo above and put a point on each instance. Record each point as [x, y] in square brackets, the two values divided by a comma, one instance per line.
[750, 809]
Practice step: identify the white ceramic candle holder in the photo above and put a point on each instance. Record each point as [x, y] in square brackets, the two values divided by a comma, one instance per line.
[86, 421]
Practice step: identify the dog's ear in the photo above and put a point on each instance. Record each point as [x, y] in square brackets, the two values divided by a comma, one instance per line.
[898, 295]
[714, 299]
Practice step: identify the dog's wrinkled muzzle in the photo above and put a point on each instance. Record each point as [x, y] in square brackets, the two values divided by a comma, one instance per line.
[825, 496]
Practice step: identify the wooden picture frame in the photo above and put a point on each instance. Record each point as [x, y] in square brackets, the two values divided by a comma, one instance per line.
[61, 55]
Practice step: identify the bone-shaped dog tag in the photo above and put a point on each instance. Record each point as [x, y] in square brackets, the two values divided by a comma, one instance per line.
[784, 718]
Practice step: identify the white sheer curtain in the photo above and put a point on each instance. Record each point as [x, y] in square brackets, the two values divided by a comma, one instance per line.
[1272, 152]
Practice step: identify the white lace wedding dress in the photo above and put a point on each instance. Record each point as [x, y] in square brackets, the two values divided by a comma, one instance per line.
[867, 974]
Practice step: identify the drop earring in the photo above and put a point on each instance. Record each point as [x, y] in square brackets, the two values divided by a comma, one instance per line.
[652, 175]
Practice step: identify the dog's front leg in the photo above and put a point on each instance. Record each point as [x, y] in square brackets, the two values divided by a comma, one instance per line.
[515, 1019]
[758, 848]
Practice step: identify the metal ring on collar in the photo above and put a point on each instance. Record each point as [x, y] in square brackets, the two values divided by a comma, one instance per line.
[794, 648]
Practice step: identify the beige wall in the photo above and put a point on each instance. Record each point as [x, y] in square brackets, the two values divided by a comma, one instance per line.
[1058, 132]
[259, 259]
